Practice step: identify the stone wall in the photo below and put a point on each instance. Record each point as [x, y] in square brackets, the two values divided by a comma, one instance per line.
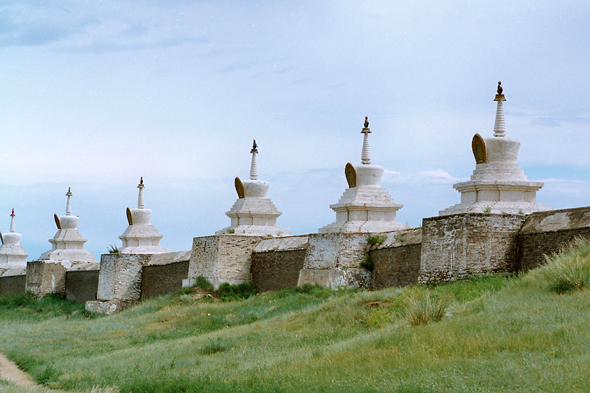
[81, 285]
[461, 245]
[164, 274]
[13, 281]
[397, 260]
[276, 263]
[545, 233]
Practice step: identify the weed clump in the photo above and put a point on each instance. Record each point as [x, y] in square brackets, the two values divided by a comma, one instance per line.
[214, 346]
[567, 270]
[375, 239]
[426, 308]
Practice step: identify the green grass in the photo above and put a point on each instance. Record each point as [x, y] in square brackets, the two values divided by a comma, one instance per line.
[497, 334]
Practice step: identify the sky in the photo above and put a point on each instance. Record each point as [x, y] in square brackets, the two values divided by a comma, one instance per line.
[96, 94]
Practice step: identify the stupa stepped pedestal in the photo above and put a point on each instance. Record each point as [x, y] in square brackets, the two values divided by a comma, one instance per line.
[227, 256]
[12, 254]
[498, 184]
[334, 255]
[48, 273]
[141, 237]
[480, 235]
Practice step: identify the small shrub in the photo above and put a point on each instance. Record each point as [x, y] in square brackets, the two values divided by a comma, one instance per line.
[400, 238]
[367, 263]
[204, 284]
[228, 292]
[375, 239]
[487, 210]
[425, 308]
[231, 230]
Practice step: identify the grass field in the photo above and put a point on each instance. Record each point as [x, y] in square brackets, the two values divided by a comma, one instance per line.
[496, 334]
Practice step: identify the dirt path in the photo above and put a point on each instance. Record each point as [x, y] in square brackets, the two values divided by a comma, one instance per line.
[10, 372]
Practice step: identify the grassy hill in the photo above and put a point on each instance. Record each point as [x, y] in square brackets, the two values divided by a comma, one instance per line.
[496, 334]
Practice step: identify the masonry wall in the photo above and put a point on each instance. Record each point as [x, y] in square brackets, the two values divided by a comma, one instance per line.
[276, 270]
[81, 286]
[397, 260]
[545, 233]
[13, 285]
[461, 245]
[162, 279]
[276, 262]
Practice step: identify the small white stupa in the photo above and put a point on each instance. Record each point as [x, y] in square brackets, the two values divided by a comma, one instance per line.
[253, 214]
[365, 206]
[68, 243]
[12, 254]
[141, 237]
[498, 184]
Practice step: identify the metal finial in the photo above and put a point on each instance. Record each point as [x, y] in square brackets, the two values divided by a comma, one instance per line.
[12, 215]
[69, 193]
[254, 147]
[500, 89]
[140, 185]
[366, 121]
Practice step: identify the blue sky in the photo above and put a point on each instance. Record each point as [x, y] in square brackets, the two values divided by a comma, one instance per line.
[94, 95]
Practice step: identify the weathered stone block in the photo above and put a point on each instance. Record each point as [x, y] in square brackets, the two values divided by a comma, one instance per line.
[461, 245]
[334, 260]
[222, 258]
[45, 277]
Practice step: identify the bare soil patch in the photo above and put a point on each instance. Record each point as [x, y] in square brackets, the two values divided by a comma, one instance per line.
[10, 372]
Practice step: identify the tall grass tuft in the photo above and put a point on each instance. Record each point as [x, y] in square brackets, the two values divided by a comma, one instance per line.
[424, 308]
[567, 270]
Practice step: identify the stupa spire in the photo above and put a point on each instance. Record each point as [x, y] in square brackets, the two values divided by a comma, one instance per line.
[69, 202]
[140, 202]
[12, 228]
[253, 165]
[366, 154]
[500, 124]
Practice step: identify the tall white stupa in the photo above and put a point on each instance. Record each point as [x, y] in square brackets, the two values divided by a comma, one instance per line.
[498, 184]
[12, 254]
[68, 243]
[253, 213]
[141, 237]
[365, 206]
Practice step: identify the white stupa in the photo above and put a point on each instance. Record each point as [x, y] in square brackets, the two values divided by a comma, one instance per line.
[12, 254]
[253, 214]
[141, 237]
[365, 206]
[498, 184]
[68, 243]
